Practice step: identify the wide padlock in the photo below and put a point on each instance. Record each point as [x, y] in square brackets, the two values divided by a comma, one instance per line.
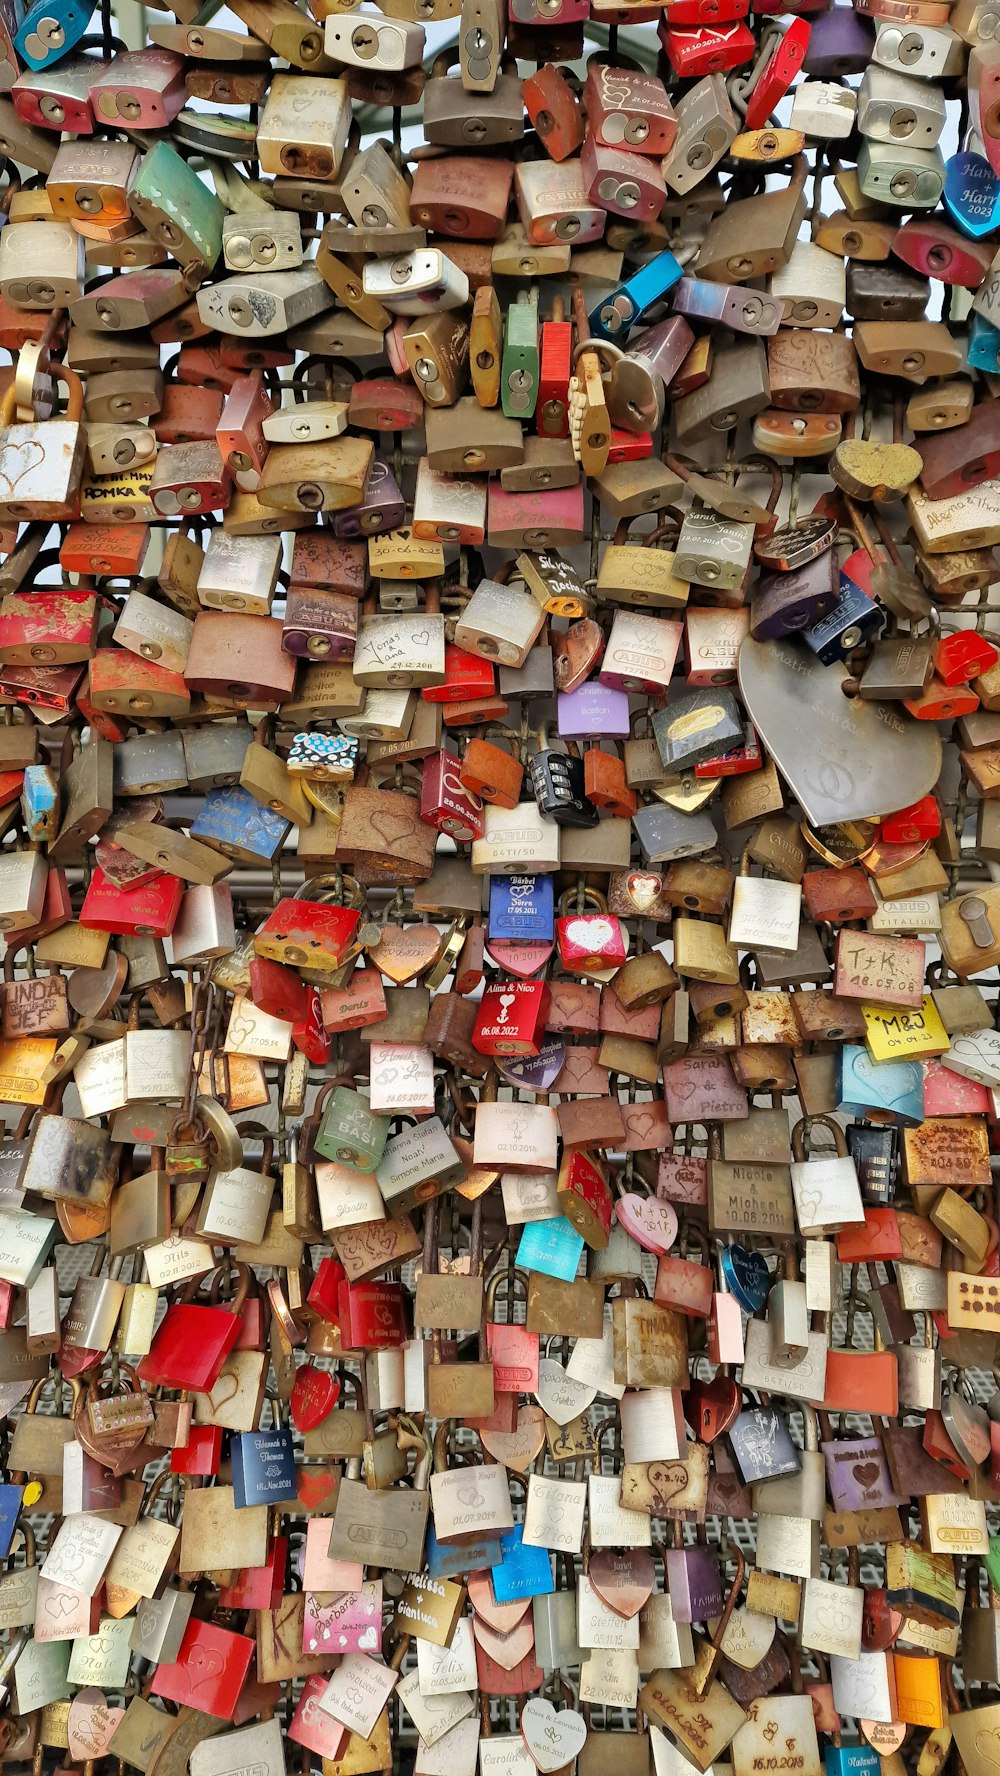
[41, 462]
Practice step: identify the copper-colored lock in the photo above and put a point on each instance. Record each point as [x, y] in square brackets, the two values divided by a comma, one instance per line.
[462, 197]
[813, 372]
[491, 773]
[239, 432]
[554, 109]
[605, 783]
[124, 684]
[239, 658]
[187, 415]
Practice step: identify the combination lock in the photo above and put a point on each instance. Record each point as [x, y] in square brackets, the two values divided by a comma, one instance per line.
[557, 782]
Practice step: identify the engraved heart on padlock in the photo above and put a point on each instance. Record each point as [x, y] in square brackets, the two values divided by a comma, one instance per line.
[204, 1665]
[553, 1739]
[623, 1580]
[506, 1649]
[501, 1617]
[559, 1396]
[91, 1724]
[863, 760]
[517, 1449]
[653, 1224]
[712, 1407]
[534, 1072]
[405, 951]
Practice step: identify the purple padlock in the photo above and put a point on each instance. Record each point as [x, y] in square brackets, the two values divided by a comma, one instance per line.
[841, 42]
[694, 1584]
[592, 712]
[858, 1474]
[380, 508]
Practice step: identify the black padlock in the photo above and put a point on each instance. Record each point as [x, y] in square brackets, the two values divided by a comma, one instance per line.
[557, 783]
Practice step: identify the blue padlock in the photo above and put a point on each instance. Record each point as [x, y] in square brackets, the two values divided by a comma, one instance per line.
[453, 1562]
[851, 1760]
[232, 820]
[522, 908]
[523, 1572]
[854, 619]
[263, 1468]
[49, 30]
[617, 313]
[983, 349]
[552, 1248]
[972, 194]
[895, 1087]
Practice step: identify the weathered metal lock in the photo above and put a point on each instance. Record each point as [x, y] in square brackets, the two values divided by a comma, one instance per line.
[41, 462]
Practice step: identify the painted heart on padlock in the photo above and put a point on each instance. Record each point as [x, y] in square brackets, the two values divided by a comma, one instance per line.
[519, 1448]
[863, 760]
[866, 1473]
[747, 1275]
[405, 951]
[315, 1393]
[653, 1224]
[553, 1739]
[624, 1581]
[90, 1724]
[507, 1649]
[534, 1072]
[643, 890]
[501, 1617]
[560, 1397]
[712, 1407]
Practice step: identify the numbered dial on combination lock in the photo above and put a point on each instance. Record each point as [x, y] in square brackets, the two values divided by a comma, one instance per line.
[557, 781]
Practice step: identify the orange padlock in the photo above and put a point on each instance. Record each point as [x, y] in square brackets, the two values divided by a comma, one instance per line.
[605, 783]
[491, 773]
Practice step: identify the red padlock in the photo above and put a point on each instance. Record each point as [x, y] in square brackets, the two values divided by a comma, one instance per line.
[737, 761]
[48, 628]
[922, 820]
[555, 367]
[590, 942]
[258, 1587]
[554, 110]
[201, 1454]
[150, 911]
[962, 656]
[706, 51]
[446, 803]
[307, 934]
[629, 446]
[209, 1671]
[324, 1294]
[585, 1198]
[777, 74]
[511, 1019]
[277, 990]
[309, 1032]
[373, 1316]
[941, 702]
[465, 676]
